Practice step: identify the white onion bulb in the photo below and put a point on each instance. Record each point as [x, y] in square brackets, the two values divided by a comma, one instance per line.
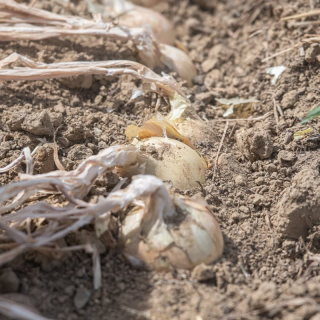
[135, 16]
[169, 160]
[171, 232]
[179, 61]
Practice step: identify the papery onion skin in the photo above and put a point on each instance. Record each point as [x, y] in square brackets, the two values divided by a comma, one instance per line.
[140, 17]
[179, 61]
[170, 160]
[192, 237]
[146, 3]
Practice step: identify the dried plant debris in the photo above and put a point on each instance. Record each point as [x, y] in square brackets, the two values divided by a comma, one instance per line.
[164, 85]
[14, 310]
[20, 22]
[74, 185]
[275, 72]
[243, 106]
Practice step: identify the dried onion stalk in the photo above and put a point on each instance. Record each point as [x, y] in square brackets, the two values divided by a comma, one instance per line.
[20, 22]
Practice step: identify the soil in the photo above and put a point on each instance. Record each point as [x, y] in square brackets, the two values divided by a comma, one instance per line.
[263, 193]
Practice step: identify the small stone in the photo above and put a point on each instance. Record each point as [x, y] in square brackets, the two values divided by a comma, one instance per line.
[9, 282]
[259, 181]
[203, 272]
[289, 99]
[316, 317]
[38, 124]
[240, 180]
[81, 297]
[271, 168]
[312, 52]
[205, 97]
[288, 137]
[286, 158]
[209, 64]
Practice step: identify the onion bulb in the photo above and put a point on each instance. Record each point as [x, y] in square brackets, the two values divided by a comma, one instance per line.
[166, 154]
[145, 3]
[132, 16]
[177, 60]
[169, 160]
[171, 232]
[188, 123]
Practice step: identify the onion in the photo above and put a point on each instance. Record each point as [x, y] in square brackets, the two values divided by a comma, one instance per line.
[178, 61]
[133, 16]
[188, 123]
[146, 3]
[171, 232]
[169, 160]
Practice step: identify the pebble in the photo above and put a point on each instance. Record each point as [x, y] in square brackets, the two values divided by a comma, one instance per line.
[240, 180]
[9, 282]
[286, 158]
[38, 124]
[271, 168]
[289, 99]
[81, 297]
[259, 181]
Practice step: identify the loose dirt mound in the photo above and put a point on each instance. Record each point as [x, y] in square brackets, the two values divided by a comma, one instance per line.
[264, 193]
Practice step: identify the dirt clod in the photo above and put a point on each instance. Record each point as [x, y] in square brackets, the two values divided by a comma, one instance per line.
[44, 160]
[289, 99]
[298, 208]
[312, 53]
[203, 272]
[255, 144]
[38, 124]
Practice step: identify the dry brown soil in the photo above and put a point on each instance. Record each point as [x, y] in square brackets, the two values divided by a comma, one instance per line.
[268, 209]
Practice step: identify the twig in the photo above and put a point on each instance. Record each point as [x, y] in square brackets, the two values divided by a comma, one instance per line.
[302, 15]
[252, 119]
[275, 112]
[56, 151]
[219, 149]
[279, 53]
